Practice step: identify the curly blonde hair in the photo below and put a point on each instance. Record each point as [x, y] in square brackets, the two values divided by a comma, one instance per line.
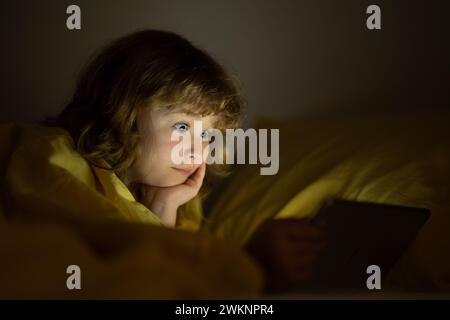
[146, 69]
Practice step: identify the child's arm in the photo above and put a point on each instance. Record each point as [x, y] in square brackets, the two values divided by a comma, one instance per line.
[165, 201]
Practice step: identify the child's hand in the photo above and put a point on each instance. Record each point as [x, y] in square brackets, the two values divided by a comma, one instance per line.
[164, 201]
[287, 250]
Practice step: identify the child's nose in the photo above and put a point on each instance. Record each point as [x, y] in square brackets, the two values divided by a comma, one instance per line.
[198, 156]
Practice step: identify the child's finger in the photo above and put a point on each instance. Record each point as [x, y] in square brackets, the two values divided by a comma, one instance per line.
[200, 174]
[196, 179]
[301, 228]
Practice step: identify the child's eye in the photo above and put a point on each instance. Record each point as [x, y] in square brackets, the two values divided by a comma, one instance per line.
[181, 126]
[206, 136]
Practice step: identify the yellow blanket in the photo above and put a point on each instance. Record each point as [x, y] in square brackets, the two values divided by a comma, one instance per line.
[57, 210]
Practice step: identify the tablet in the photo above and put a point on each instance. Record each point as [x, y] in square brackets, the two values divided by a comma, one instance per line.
[360, 235]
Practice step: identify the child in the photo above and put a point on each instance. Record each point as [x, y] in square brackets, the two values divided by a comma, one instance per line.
[129, 100]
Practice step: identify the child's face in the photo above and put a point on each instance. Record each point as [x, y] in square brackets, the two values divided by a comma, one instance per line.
[154, 165]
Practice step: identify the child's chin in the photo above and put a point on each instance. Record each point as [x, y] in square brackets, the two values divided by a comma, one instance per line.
[173, 182]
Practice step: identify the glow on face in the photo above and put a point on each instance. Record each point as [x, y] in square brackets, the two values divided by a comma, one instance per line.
[154, 165]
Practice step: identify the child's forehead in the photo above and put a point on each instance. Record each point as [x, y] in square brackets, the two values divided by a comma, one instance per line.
[188, 116]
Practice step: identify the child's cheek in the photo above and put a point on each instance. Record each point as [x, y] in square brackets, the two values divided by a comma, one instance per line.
[168, 151]
[205, 151]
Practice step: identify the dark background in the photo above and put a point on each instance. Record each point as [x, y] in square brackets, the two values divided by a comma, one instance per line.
[292, 57]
